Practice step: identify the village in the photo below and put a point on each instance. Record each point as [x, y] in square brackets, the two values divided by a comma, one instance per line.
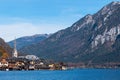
[28, 62]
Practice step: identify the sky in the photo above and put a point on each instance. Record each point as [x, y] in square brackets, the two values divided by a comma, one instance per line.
[20, 18]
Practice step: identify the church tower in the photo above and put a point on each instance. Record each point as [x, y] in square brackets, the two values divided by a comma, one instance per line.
[15, 53]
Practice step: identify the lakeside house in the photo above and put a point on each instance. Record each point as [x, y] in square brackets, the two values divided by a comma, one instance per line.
[3, 64]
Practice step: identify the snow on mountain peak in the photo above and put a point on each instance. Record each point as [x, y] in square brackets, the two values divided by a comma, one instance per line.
[110, 7]
[86, 20]
[115, 2]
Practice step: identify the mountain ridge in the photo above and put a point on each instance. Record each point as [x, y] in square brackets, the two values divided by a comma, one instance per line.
[93, 39]
[28, 40]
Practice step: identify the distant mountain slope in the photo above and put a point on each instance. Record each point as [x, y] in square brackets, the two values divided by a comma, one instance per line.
[28, 40]
[5, 49]
[92, 39]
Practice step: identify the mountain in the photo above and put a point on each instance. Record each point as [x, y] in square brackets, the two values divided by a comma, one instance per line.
[5, 49]
[28, 40]
[3, 53]
[92, 39]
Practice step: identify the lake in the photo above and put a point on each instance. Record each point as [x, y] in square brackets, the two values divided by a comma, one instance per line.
[75, 74]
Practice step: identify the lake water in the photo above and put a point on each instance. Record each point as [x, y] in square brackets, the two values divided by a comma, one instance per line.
[75, 74]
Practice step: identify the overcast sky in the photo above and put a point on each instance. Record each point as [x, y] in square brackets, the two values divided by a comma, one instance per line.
[28, 17]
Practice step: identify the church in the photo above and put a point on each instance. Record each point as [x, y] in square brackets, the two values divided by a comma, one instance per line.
[15, 53]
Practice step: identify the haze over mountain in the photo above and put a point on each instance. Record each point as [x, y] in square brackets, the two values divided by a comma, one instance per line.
[93, 39]
[28, 40]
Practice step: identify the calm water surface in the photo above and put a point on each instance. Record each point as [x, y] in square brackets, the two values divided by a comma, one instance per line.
[75, 74]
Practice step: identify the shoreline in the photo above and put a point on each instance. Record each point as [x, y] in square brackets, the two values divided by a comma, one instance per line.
[59, 70]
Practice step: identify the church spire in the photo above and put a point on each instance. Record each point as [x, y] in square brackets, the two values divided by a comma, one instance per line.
[15, 53]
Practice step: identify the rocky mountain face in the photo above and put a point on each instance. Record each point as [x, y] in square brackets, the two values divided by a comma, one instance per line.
[92, 39]
[5, 49]
[28, 40]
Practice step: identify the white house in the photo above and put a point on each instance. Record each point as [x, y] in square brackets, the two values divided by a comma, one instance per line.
[31, 57]
[3, 63]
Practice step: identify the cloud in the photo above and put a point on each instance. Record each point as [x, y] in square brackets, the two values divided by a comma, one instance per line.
[11, 26]
[10, 31]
